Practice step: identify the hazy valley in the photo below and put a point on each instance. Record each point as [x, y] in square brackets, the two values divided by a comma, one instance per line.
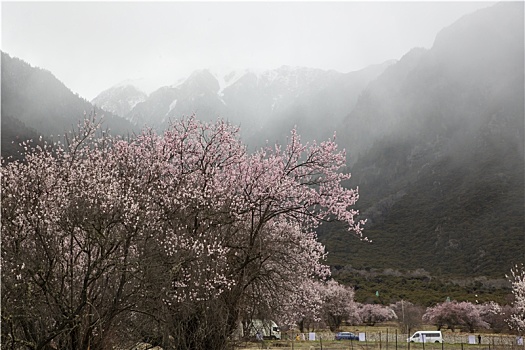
[435, 142]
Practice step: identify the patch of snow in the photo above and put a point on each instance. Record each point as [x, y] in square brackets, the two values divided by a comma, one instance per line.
[172, 105]
[276, 100]
[226, 80]
[135, 102]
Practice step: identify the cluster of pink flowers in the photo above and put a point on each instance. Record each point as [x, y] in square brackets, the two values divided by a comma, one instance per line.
[190, 214]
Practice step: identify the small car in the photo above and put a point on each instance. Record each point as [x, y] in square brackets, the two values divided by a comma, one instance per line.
[346, 335]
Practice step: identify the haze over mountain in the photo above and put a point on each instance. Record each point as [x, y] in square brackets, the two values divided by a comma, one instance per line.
[435, 140]
[266, 104]
[439, 153]
[120, 99]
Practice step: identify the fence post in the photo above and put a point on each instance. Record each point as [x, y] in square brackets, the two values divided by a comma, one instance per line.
[408, 335]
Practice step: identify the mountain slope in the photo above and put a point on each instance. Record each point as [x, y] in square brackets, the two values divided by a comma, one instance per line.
[14, 132]
[36, 99]
[120, 99]
[266, 105]
[440, 161]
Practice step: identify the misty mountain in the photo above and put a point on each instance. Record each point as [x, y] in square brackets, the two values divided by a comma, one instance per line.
[437, 142]
[267, 105]
[120, 100]
[312, 100]
[34, 101]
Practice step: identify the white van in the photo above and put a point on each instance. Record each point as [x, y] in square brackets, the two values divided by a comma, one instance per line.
[426, 337]
[266, 329]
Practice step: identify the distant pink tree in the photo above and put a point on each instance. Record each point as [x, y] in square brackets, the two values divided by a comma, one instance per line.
[444, 314]
[473, 316]
[303, 309]
[517, 279]
[371, 314]
[488, 309]
[326, 302]
[455, 314]
[491, 312]
[338, 303]
[186, 229]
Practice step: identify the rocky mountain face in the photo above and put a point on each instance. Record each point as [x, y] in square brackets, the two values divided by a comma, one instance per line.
[119, 100]
[438, 149]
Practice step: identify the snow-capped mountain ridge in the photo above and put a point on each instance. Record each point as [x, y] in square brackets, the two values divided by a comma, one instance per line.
[120, 99]
[255, 99]
[273, 86]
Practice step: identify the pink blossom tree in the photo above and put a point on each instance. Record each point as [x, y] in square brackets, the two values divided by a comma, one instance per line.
[302, 308]
[517, 279]
[338, 304]
[444, 314]
[325, 303]
[371, 314]
[455, 314]
[69, 244]
[492, 313]
[185, 229]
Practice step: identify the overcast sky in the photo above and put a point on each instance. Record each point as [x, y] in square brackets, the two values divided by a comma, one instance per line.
[91, 46]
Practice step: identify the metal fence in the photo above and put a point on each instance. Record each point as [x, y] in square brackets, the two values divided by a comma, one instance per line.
[392, 339]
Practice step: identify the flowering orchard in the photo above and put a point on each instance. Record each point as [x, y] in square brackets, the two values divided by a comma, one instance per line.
[371, 314]
[325, 304]
[169, 238]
